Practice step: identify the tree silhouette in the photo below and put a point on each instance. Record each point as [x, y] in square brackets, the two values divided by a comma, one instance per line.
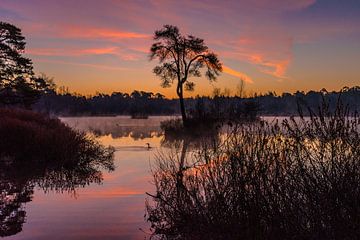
[18, 84]
[181, 57]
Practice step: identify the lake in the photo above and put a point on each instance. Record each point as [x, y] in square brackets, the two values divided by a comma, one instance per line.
[113, 209]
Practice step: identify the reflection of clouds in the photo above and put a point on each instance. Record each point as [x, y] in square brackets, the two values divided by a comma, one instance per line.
[118, 127]
[135, 132]
[18, 180]
[112, 210]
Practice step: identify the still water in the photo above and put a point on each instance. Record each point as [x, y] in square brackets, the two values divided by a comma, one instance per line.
[113, 209]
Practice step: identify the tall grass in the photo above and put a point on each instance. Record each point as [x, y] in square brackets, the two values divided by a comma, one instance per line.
[298, 179]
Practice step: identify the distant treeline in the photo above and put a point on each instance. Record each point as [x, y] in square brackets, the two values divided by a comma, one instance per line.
[147, 103]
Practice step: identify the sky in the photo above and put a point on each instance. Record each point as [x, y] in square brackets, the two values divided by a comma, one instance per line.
[273, 45]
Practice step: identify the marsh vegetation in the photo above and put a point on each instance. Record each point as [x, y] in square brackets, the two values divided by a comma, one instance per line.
[295, 179]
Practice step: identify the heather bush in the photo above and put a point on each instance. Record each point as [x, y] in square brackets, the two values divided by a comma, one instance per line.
[29, 137]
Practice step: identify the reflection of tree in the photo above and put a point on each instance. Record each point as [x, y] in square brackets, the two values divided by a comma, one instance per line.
[207, 140]
[135, 132]
[18, 179]
[12, 213]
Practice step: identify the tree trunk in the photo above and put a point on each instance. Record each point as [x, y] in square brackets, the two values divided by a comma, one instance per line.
[182, 105]
[180, 187]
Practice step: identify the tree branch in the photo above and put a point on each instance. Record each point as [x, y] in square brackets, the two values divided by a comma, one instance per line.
[188, 66]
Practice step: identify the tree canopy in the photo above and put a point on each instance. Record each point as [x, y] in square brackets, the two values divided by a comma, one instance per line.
[18, 83]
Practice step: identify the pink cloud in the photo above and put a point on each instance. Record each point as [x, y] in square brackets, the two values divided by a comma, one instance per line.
[98, 66]
[238, 74]
[271, 55]
[99, 33]
[276, 68]
[109, 50]
[73, 52]
[282, 5]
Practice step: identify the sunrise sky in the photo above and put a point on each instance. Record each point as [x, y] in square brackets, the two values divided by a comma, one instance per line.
[274, 45]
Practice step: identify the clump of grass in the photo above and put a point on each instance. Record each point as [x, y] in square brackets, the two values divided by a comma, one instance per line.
[298, 179]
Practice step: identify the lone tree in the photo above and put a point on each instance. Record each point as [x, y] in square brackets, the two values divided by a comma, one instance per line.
[18, 83]
[181, 57]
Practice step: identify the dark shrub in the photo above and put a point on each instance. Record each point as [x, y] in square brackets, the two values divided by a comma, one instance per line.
[26, 136]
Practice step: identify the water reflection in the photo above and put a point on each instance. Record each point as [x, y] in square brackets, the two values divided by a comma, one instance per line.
[18, 180]
[135, 133]
[119, 127]
[113, 210]
[12, 213]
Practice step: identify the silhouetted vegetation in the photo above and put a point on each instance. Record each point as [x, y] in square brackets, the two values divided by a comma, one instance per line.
[298, 179]
[36, 150]
[117, 103]
[27, 136]
[18, 83]
[219, 106]
[182, 57]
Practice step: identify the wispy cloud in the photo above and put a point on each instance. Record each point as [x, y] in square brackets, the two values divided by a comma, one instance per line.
[71, 52]
[281, 5]
[276, 68]
[238, 74]
[96, 51]
[271, 55]
[99, 33]
[98, 66]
